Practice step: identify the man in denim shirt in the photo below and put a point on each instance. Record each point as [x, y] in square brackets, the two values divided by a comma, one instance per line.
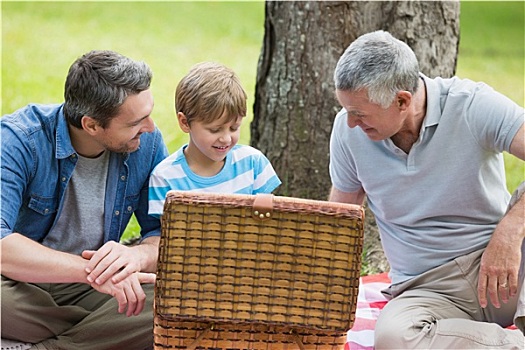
[72, 176]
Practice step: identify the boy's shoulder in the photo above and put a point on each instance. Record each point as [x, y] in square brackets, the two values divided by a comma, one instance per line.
[172, 160]
[176, 156]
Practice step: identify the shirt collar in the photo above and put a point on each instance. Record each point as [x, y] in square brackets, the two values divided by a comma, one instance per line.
[433, 111]
[64, 148]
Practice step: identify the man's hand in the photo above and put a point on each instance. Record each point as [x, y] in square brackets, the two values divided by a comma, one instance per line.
[498, 275]
[129, 293]
[500, 263]
[113, 261]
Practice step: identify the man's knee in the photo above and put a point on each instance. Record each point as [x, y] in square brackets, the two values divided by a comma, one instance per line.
[403, 326]
[16, 305]
[14, 297]
[388, 335]
[404, 334]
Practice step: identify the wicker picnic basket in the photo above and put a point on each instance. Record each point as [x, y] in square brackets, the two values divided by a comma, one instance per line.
[256, 272]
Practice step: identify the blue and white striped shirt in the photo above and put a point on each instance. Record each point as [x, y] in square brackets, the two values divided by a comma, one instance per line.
[246, 170]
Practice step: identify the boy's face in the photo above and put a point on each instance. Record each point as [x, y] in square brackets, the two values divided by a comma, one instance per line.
[210, 142]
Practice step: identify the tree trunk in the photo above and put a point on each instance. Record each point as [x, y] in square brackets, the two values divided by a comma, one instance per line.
[295, 104]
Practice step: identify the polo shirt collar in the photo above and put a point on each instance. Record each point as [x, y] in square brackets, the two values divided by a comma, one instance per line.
[433, 112]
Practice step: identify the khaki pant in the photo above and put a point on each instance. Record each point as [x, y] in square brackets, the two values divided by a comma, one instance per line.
[440, 310]
[72, 317]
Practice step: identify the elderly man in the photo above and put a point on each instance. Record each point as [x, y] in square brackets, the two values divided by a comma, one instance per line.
[427, 154]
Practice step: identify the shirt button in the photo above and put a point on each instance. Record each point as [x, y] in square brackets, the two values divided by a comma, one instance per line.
[117, 213]
[73, 156]
[63, 179]
[130, 208]
[46, 211]
[123, 177]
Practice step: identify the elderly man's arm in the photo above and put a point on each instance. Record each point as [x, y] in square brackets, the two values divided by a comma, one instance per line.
[498, 277]
[517, 147]
[347, 197]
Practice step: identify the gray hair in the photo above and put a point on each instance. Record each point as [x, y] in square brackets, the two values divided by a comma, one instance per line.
[99, 82]
[379, 63]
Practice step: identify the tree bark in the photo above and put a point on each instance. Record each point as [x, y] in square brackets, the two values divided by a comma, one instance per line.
[295, 103]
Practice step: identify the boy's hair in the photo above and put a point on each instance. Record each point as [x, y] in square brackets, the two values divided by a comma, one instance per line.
[208, 92]
[99, 82]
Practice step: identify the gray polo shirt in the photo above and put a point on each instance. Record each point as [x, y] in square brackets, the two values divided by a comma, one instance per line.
[445, 198]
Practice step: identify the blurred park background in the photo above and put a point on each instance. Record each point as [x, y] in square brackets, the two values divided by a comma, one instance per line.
[40, 40]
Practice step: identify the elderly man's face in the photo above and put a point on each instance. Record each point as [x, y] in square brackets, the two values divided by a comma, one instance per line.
[376, 122]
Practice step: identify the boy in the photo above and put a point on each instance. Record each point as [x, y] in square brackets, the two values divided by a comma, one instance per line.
[210, 104]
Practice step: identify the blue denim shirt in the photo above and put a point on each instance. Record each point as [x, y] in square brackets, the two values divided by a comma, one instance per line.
[37, 161]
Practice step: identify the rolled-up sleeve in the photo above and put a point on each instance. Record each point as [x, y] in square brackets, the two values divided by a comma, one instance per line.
[16, 166]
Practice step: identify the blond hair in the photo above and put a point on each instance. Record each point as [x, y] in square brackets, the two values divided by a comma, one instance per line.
[208, 92]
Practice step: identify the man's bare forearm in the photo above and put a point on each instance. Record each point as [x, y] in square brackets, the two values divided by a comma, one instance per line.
[28, 261]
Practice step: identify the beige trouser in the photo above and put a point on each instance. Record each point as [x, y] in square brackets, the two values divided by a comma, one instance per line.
[440, 310]
[72, 317]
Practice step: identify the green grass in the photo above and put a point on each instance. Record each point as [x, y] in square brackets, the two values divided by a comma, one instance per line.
[492, 45]
[40, 40]
[492, 50]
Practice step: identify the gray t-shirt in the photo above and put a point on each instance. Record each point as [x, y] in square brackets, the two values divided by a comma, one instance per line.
[445, 197]
[80, 225]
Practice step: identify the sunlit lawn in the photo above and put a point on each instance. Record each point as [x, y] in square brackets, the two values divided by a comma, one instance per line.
[40, 40]
[492, 50]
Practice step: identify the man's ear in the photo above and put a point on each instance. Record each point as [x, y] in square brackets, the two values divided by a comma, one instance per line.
[403, 99]
[90, 125]
[183, 122]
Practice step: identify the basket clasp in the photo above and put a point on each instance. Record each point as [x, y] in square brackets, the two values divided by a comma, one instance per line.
[263, 206]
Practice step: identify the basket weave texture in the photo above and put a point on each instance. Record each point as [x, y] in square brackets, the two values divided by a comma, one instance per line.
[256, 272]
